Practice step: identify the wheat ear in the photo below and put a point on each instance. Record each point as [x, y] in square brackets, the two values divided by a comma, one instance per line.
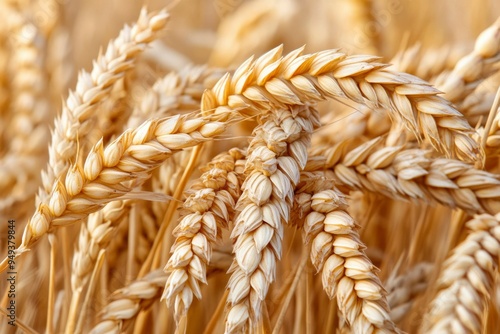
[129, 301]
[412, 174]
[94, 236]
[427, 63]
[78, 112]
[139, 295]
[403, 289]
[167, 94]
[106, 174]
[473, 68]
[276, 155]
[209, 208]
[467, 280]
[347, 273]
[174, 93]
[279, 80]
[28, 131]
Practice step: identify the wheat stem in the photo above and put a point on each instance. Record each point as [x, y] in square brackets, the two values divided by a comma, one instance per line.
[49, 327]
[290, 293]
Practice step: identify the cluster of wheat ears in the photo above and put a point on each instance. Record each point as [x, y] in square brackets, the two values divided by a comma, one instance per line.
[256, 198]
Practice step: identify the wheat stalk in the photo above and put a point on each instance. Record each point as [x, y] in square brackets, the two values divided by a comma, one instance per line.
[296, 78]
[467, 280]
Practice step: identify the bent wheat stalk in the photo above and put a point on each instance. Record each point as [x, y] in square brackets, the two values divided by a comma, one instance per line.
[294, 79]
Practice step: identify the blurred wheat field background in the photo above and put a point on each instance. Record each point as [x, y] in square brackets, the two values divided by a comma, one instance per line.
[234, 166]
